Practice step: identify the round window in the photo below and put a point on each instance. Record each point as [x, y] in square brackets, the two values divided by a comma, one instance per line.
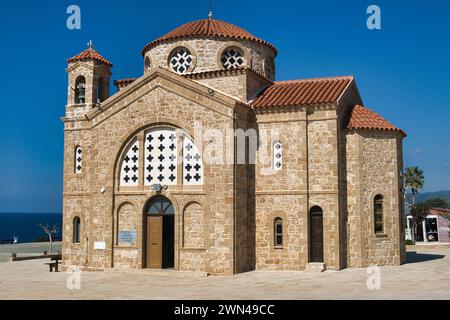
[232, 58]
[180, 60]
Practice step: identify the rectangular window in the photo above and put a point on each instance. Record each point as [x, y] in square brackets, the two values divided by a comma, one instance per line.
[378, 214]
[278, 233]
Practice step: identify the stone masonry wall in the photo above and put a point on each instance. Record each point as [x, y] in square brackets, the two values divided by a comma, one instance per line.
[207, 54]
[373, 167]
[308, 177]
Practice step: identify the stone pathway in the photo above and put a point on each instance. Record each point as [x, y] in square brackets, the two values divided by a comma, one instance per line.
[425, 276]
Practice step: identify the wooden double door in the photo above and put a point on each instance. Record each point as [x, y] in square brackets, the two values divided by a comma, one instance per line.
[316, 235]
[159, 234]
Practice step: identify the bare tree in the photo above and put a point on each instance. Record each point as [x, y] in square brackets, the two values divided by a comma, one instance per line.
[49, 232]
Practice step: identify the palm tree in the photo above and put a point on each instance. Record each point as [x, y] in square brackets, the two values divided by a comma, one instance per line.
[414, 179]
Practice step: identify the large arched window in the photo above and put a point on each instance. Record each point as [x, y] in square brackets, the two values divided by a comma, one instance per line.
[76, 230]
[278, 232]
[80, 90]
[378, 213]
[162, 149]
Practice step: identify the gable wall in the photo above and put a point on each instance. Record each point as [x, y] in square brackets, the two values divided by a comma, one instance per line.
[105, 141]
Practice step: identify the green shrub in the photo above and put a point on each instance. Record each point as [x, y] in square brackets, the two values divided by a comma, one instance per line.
[409, 242]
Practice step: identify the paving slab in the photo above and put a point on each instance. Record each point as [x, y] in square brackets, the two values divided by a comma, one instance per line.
[425, 276]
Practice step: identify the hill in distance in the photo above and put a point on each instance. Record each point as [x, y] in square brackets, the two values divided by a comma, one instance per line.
[424, 196]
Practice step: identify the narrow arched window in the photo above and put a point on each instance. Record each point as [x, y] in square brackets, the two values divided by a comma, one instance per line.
[80, 90]
[378, 213]
[78, 159]
[76, 230]
[277, 155]
[278, 232]
[147, 64]
[101, 90]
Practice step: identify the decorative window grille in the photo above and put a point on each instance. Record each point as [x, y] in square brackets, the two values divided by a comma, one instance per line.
[129, 174]
[180, 60]
[232, 58]
[161, 160]
[192, 163]
[161, 157]
[277, 156]
[78, 160]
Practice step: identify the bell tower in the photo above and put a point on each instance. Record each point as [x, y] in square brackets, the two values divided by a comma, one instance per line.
[88, 81]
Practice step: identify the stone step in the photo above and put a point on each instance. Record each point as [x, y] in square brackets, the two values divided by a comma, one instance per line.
[315, 267]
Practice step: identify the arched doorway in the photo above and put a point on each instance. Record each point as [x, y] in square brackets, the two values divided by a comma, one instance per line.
[316, 234]
[159, 233]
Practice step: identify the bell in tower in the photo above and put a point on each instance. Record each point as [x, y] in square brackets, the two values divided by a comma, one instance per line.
[89, 77]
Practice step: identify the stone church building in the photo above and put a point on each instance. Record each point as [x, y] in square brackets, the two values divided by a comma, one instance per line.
[141, 190]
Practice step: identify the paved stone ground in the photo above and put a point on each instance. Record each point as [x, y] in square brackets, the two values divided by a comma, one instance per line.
[26, 249]
[425, 276]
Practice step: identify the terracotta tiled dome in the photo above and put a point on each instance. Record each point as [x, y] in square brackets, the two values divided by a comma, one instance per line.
[207, 28]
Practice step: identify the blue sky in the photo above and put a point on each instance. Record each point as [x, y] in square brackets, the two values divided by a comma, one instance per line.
[402, 71]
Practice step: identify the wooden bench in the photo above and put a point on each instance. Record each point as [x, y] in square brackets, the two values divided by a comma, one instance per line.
[54, 264]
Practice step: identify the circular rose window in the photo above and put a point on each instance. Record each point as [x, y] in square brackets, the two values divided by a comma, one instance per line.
[180, 60]
[232, 58]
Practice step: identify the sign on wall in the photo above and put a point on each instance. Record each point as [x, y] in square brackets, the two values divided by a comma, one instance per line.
[128, 237]
[99, 245]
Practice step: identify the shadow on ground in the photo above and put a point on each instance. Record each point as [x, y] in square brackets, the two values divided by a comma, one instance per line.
[414, 257]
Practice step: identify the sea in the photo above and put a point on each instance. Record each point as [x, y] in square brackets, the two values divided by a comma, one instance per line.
[26, 227]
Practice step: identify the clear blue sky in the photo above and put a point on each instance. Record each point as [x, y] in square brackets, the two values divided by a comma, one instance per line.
[402, 71]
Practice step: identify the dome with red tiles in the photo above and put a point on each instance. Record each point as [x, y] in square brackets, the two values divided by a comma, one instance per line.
[208, 28]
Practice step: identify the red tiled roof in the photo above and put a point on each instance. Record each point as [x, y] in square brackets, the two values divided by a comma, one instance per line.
[89, 54]
[302, 92]
[364, 118]
[208, 28]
